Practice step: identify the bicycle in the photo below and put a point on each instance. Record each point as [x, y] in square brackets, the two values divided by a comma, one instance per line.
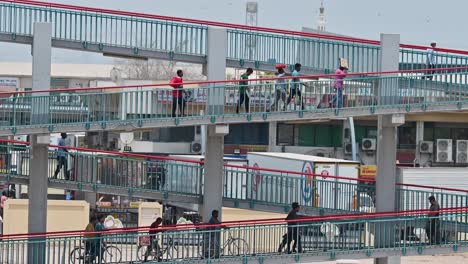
[168, 250]
[234, 247]
[110, 254]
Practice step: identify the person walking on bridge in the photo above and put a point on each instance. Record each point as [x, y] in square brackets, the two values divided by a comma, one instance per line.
[62, 157]
[296, 92]
[294, 232]
[281, 88]
[178, 94]
[433, 225]
[430, 61]
[340, 74]
[244, 91]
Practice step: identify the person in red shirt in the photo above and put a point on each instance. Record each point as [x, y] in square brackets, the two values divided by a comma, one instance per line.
[178, 94]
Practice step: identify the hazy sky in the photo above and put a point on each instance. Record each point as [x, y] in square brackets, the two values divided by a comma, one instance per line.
[418, 21]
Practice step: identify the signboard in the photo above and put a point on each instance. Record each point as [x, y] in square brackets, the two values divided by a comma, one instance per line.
[368, 171]
[9, 84]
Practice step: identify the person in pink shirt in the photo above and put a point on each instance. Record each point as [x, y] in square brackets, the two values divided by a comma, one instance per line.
[3, 199]
[340, 74]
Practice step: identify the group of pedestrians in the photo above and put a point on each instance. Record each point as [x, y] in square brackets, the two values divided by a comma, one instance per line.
[286, 93]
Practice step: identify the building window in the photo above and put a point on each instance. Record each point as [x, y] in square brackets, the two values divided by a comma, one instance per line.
[407, 136]
[285, 135]
[247, 134]
[320, 135]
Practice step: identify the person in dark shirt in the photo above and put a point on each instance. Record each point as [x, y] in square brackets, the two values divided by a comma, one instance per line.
[244, 90]
[433, 226]
[293, 231]
[154, 245]
[62, 157]
[214, 237]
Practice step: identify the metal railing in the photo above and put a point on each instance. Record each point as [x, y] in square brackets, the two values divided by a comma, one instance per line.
[258, 186]
[326, 237]
[138, 105]
[172, 35]
[105, 30]
[108, 170]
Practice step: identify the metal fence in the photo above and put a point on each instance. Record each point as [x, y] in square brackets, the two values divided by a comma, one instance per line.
[325, 237]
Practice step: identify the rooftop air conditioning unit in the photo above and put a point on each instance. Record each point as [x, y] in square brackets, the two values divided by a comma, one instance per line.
[444, 150]
[462, 151]
[195, 147]
[369, 144]
[426, 147]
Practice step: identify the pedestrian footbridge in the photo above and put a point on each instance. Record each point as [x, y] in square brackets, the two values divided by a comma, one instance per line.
[373, 235]
[130, 34]
[181, 181]
[139, 107]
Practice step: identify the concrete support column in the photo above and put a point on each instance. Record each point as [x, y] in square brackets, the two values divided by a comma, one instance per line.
[272, 135]
[37, 212]
[214, 176]
[387, 139]
[386, 162]
[216, 68]
[214, 152]
[41, 67]
[37, 209]
[389, 58]
[386, 180]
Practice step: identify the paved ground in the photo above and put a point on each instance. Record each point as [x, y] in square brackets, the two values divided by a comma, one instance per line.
[440, 259]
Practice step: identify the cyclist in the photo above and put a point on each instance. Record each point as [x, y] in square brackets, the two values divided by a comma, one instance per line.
[154, 245]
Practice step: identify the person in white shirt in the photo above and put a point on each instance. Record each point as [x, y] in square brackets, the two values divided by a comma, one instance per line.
[430, 60]
[281, 90]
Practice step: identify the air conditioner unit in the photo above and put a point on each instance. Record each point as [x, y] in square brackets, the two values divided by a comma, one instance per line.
[348, 148]
[368, 144]
[195, 147]
[426, 147]
[444, 150]
[462, 151]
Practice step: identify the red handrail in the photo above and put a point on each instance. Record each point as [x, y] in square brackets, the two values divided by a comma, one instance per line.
[315, 76]
[226, 25]
[270, 221]
[221, 24]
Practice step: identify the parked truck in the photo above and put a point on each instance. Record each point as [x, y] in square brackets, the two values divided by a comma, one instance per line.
[449, 185]
[312, 186]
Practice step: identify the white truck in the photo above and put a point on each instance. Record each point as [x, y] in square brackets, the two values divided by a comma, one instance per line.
[189, 178]
[312, 186]
[449, 185]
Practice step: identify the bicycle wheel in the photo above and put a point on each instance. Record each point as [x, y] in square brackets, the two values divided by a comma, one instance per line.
[200, 249]
[141, 253]
[112, 254]
[175, 252]
[238, 247]
[78, 255]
